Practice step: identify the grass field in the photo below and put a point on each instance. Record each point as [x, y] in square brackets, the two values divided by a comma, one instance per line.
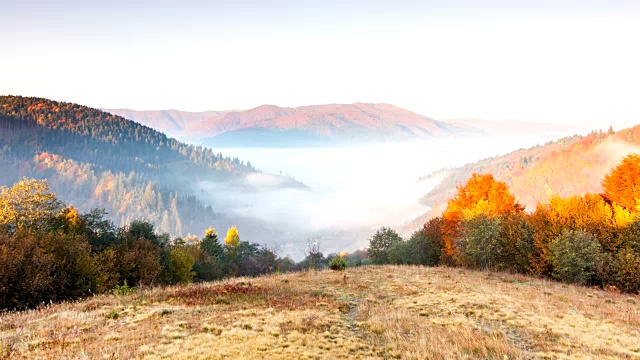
[387, 312]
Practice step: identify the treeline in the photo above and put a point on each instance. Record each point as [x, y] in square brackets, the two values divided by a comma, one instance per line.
[50, 252]
[125, 197]
[589, 240]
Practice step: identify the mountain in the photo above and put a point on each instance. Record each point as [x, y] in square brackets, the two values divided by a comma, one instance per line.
[95, 159]
[352, 123]
[171, 122]
[326, 125]
[512, 127]
[569, 166]
[270, 125]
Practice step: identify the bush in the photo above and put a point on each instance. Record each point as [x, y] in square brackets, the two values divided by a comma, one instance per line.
[123, 289]
[338, 263]
[380, 244]
[575, 256]
[481, 242]
[432, 241]
[626, 271]
[181, 265]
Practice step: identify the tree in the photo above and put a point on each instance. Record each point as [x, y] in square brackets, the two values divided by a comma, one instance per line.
[432, 241]
[380, 244]
[481, 195]
[575, 256]
[480, 244]
[181, 265]
[232, 241]
[210, 243]
[313, 253]
[233, 238]
[622, 185]
[28, 205]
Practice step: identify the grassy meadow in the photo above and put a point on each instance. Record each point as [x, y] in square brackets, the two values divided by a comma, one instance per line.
[373, 312]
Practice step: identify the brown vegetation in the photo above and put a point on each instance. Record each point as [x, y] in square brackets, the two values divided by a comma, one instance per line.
[380, 312]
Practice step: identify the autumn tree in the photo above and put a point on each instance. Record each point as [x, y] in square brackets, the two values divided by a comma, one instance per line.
[481, 195]
[233, 238]
[232, 241]
[622, 185]
[28, 205]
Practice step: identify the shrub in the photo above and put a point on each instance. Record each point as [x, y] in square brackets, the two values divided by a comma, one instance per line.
[626, 271]
[380, 244]
[575, 256]
[181, 265]
[432, 241]
[22, 255]
[481, 243]
[123, 289]
[338, 263]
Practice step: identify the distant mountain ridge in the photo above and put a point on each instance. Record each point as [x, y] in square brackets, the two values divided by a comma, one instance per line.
[268, 125]
[170, 122]
[327, 125]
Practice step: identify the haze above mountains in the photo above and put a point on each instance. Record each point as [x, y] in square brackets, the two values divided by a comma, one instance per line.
[328, 125]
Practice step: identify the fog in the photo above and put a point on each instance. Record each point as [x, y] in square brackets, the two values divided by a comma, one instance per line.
[351, 191]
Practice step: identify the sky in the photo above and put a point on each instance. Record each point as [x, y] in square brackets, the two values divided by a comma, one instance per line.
[547, 61]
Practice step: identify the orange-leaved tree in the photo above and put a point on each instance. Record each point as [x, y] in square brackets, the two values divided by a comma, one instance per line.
[481, 195]
[622, 185]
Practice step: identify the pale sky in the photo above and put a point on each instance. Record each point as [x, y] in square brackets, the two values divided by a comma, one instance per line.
[549, 61]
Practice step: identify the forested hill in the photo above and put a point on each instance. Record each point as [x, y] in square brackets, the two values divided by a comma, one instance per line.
[86, 134]
[569, 166]
[95, 159]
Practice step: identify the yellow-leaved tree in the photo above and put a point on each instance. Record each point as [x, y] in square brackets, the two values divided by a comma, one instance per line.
[233, 238]
[28, 205]
[232, 241]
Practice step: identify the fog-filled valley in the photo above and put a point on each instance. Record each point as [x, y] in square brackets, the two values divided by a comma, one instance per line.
[351, 191]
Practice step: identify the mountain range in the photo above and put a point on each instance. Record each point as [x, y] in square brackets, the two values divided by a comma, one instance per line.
[326, 125]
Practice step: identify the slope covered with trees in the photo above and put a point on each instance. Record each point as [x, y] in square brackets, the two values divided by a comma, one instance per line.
[590, 239]
[51, 252]
[570, 166]
[95, 159]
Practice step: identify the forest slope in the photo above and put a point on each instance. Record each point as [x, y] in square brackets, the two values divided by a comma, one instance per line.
[570, 166]
[95, 159]
[377, 312]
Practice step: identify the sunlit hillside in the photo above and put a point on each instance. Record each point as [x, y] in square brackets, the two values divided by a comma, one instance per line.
[569, 166]
[379, 312]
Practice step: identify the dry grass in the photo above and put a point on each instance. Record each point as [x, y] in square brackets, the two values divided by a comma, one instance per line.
[380, 312]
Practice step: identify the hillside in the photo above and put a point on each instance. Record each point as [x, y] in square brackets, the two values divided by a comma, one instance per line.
[270, 125]
[570, 166]
[512, 127]
[95, 159]
[378, 312]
